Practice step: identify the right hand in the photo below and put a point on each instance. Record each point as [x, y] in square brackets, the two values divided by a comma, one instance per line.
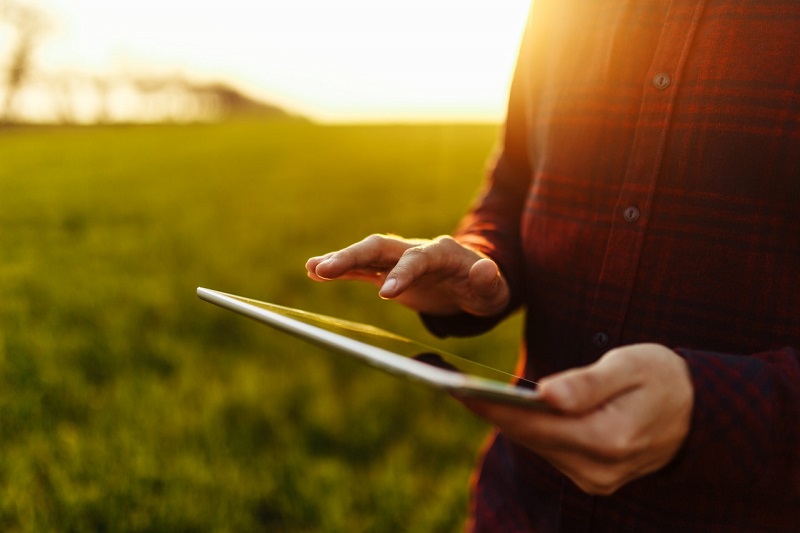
[439, 276]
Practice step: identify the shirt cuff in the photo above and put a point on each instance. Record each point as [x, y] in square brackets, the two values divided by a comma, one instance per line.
[460, 325]
[729, 441]
[468, 325]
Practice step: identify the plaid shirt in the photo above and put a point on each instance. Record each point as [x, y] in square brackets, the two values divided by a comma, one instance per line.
[648, 189]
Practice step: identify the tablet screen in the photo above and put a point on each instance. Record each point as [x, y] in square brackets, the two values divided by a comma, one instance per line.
[387, 351]
[394, 343]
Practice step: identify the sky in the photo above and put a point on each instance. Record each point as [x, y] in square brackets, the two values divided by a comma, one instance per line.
[332, 60]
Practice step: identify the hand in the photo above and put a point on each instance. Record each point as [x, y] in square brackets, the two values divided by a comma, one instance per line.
[438, 276]
[625, 416]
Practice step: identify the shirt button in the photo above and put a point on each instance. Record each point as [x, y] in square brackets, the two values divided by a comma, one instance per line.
[600, 339]
[661, 81]
[631, 214]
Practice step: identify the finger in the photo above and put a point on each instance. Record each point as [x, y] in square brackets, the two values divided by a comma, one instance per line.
[312, 262]
[375, 277]
[587, 388]
[599, 437]
[311, 266]
[565, 443]
[376, 253]
[417, 261]
[539, 430]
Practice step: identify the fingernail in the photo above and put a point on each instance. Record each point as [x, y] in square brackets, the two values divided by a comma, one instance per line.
[388, 287]
[325, 264]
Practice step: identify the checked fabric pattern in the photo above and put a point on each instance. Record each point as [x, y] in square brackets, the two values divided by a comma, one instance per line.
[647, 189]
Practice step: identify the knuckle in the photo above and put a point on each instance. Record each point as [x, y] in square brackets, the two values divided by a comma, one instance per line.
[413, 262]
[610, 442]
[371, 249]
[617, 448]
[448, 245]
[582, 385]
[604, 486]
[375, 238]
[631, 354]
[614, 451]
[601, 481]
[589, 380]
[416, 253]
[446, 240]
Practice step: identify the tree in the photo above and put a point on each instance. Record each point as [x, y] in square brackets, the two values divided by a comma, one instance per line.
[29, 25]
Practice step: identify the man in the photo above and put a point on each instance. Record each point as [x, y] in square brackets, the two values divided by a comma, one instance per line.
[645, 210]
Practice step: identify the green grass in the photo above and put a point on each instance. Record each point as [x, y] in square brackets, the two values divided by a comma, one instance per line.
[127, 404]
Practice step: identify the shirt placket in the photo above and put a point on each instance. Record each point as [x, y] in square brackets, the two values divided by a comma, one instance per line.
[635, 201]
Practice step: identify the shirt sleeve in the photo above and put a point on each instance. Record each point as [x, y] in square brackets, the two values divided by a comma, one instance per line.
[745, 432]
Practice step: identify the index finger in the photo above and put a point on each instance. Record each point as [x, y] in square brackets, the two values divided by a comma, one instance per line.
[537, 429]
[377, 252]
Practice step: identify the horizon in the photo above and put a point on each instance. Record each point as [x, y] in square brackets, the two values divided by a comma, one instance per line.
[352, 62]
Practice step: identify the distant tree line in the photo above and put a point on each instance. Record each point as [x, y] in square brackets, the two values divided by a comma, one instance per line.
[32, 95]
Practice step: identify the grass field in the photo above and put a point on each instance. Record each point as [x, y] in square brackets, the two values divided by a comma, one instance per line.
[126, 404]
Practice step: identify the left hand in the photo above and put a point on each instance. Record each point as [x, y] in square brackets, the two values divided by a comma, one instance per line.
[616, 420]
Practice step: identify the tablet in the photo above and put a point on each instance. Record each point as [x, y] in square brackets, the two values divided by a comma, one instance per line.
[386, 351]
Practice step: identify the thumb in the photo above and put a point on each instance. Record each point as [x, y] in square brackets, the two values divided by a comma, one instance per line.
[588, 388]
[488, 287]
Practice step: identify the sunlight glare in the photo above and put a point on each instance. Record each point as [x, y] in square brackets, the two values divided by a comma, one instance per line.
[336, 61]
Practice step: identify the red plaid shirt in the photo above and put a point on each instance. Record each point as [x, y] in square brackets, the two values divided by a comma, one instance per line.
[648, 189]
